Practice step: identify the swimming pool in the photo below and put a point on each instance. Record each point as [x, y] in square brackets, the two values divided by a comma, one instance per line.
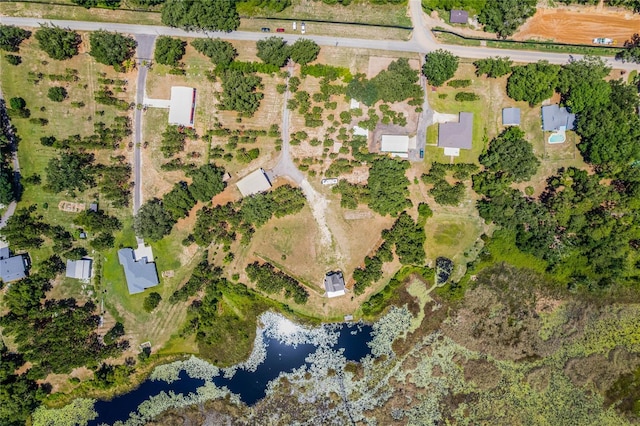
[557, 138]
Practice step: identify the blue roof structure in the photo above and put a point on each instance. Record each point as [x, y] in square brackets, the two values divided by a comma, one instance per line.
[554, 117]
[12, 268]
[139, 274]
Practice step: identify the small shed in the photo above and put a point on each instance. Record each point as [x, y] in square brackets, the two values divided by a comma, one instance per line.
[457, 16]
[93, 207]
[79, 269]
[334, 284]
[254, 183]
[511, 116]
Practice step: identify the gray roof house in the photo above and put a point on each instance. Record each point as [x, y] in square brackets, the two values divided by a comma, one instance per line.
[554, 118]
[334, 284]
[510, 116]
[12, 268]
[458, 16]
[79, 269]
[456, 135]
[139, 273]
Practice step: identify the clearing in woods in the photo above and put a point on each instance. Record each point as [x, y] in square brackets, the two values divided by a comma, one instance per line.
[579, 25]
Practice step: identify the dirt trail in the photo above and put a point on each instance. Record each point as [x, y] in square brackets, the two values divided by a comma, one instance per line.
[318, 205]
[580, 25]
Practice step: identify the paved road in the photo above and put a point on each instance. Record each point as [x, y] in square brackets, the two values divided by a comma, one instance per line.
[422, 40]
[11, 208]
[144, 51]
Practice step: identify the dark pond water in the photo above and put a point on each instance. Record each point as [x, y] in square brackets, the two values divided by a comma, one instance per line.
[250, 386]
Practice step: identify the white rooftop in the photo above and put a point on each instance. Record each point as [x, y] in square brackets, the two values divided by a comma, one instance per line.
[452, 152]
[395, 143]
[354, 104]
[183, 105]
[254, 183]
[359, 131]
[79, 269]
[143, 251]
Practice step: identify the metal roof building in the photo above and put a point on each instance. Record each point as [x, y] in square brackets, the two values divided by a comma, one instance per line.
[334, 284]
[456, 136]
[12, 268]
[139, 273]
[510, 116]
[79, 269]
[396, 145]
[458, 16]
[183, 106]
[555, 118]
[254, 183]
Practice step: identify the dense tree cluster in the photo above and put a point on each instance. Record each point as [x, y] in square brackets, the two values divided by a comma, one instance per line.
[203, 275]
[505, 16]
[153, 221]
[219, 51]
[395, 84]
[97, 221]
[442, 191]
[473, 6]
[271, 281]
[7, 190]
[388, 186]
[240, 92]
[511, 156]
[111, 48]
[582, 85]
[58, 43]
[19, 394]
[174, 138]
[72, 171]
[275, 51]
[533, 82]
[220, 224]
[169, 50]
[493, 67]
[212, 15]
[439, 66]
[11, 37]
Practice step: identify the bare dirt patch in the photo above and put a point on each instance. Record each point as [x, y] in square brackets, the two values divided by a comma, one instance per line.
[579, 25]
[67, 206]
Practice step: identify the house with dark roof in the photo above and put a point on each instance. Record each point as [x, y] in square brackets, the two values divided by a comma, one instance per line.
[458, 16]
[12, 268]
[455, 136]
[140, 274]
[79, 269]
[510, 116]
[334, 284]
[556, 118]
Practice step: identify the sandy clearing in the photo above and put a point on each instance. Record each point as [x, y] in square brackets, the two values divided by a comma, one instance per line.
[318, 206]
[579, 25]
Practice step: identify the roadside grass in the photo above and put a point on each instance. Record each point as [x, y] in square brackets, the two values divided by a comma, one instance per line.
[358, 11]
[78, 13]
[326, 28]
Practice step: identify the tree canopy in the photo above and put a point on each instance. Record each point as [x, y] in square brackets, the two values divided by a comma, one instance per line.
[505, 16]
[221, 52]
[212, 15]
[152, 221]
[631, 52]
[439, 66]
[70, 172]
[388, 186]
[493, 67]
[395, 84]
[239, 92]
[273, 50]
[58, 43]
[111, 48]
[206, 182]
[11, 37]
[304, 51]
[169, 50]
[533, 82]
[511, 154]
[57, 93]
[582, 84]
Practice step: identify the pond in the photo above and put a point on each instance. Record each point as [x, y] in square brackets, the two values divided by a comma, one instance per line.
[284, 347]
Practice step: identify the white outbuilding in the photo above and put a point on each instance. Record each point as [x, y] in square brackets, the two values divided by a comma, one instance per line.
[182, 106]
[254, 183]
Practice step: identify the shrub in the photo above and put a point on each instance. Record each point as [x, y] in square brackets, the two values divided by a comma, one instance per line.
[459, 83]
[57, 94]
[466, 96]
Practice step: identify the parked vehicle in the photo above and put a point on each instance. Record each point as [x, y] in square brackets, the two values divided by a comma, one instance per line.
[295, 25]
[303, 28]
[266, 30]
[330, 181]
[422, 153]
[280, 30]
